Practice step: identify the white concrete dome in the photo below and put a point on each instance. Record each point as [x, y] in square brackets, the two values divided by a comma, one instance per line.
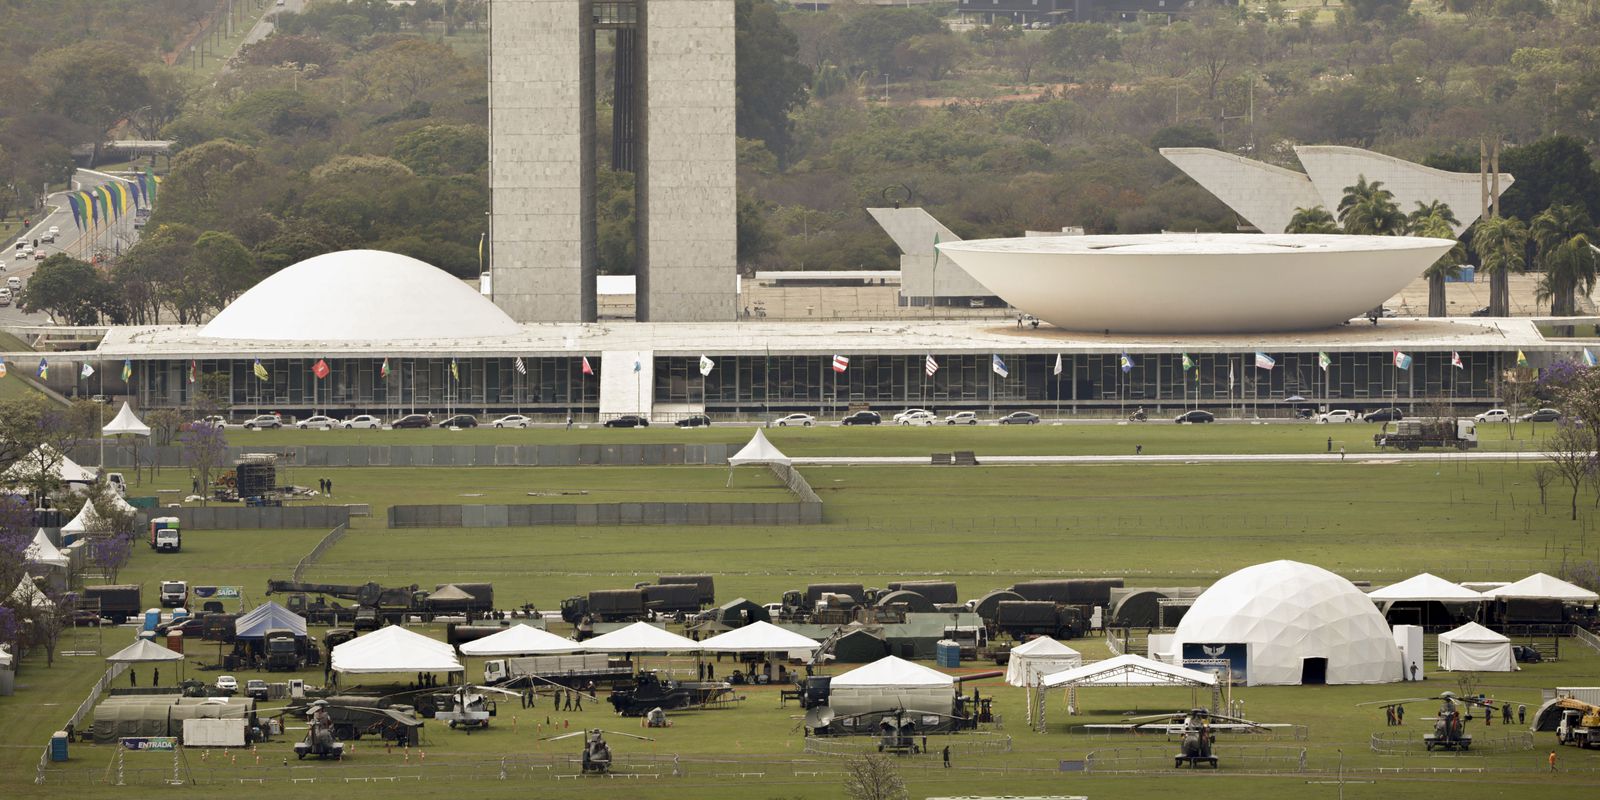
[360, 295]
[1286, 612]
[1197, 283]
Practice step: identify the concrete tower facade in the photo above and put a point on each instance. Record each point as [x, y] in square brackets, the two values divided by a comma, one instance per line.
[673, 126]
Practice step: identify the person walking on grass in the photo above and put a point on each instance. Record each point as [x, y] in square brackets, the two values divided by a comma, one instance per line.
[1399, 715]
[1341, 452]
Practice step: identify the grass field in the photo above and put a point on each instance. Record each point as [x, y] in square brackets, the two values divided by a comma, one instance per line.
[983, 527]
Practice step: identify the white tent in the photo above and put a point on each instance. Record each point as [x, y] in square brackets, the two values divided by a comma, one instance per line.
[891, 672]
[87, 520]
[125, 422]
[1423, 588]
[757, 451]
[640, 637]
[1540, 586]
[143, 651]
[41, 551]
[120, 505]
[758, 637]
[1128, 670]
[520, 640]
[65, 469]
[394, 649]
[1285, 622]
[27, 593]
[1038, 658]
[1473, 647]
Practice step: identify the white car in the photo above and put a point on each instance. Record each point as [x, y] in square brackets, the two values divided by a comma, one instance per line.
[512, 421]
[962, 418]
[803, 420]
[227, 683]
[363, 421]
[1337, 415]
[14, 283]
[900, 417]
[1494, 415]
[319, 422]
[49, 235]
[263, 421]
[919, 418]
[215, 421]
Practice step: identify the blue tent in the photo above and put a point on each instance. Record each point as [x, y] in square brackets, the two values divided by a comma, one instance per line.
[268, 617]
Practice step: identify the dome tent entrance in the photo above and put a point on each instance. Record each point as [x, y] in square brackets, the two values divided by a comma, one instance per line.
[1473, 647]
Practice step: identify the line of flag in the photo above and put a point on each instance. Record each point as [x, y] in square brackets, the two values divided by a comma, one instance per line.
[88, 369]
[521, 368]
[1402, 360]
[1264, 361]
[1125, 362]
[929, 365]
[44, 370]
[706, 365]
[841, 363]
[109, 201]
[999, 367]
[1588, 358]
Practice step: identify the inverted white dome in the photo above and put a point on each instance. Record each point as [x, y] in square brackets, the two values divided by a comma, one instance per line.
[360, 295]
[1285, 612]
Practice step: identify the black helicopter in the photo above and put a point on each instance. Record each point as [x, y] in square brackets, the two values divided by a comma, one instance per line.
[1197, 727]
[350, 717]
[898, 730]
[596, 753]
[650, 691]
[1449, 725]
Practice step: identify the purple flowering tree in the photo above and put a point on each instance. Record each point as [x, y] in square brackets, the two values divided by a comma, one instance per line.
[205, 447]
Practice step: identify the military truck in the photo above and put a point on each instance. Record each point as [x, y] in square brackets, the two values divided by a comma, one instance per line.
[1023, 618]
[282, 649]
[118, 602]
[568, 670]
[605, 605]
[1415, 434]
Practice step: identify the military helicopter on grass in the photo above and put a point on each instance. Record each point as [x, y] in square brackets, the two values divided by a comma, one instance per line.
[596, 753]
[650, 691]
[319, 741]
[1198, 728]
[1449, 725]
[347, 718]
[468, 707]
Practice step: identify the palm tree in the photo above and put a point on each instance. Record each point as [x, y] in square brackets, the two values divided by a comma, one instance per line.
[1312, 220]
[1437, 208]
[1368, 208]
[1561, 234]
[1502, 245]
[1436, 220]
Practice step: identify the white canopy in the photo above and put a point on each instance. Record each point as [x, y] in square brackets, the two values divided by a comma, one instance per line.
[1540, 586]
[87, 520]
[1129, 670]
[120, 505]
[1038, 658]
[758, 637]
[1475, 648]
[126, 422]
[758, 451]
[65, 469]
[520, 640]
[43, 552]
[640, 637]
[891, 672]
[27, 593]
[394, 649]
[141, 651]
[1425, 587]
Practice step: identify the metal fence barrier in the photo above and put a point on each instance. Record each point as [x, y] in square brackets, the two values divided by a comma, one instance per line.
[967, 743]
[1275, 758]
[443, 455]
[74, 721]
[525, 515]
[322, 547]
[1394, 743]
[230, 518]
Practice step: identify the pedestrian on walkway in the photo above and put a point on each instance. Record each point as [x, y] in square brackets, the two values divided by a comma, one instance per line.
[947, 756]
[330, 487]
[1505, 713]
[1399, 715]
[1388, 716]
[133, 677]
[1522, 714]
[155, 679]
[1552, 761]
[1341, 452]
[579, 695]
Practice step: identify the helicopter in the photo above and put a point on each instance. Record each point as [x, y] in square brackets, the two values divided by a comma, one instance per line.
[651, 691]
[1197, 726]
[319, 741]
[349, 717]
[596, 753]
[468, 707]
[898, 730]
[1449, 725]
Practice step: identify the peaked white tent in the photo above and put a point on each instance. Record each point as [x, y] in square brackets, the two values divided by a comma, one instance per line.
[1038, 658]
[891, 672]
[143, 651]
[268, 616]
[641, 637]
[1423, 588]
[758, 637]
[41, 551]
[87, 520]
[65, 469]
[27, 593]
[1475, 648]
[125, 422]
[520, 640]
[1540, 586]
[394, 649]
[1128, 670]
[757, 451]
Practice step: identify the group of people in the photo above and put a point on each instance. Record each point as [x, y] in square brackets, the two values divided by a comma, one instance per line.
[563, 699]
[326, 486]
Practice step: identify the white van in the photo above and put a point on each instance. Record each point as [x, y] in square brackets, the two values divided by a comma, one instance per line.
[14, 283]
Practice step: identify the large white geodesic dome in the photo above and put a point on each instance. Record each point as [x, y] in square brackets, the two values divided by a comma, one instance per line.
[1286, 613]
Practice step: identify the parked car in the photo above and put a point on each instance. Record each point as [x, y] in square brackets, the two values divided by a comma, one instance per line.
[459, 421]
[1525, 654]
[1337, 415]
[803, 420]
[694, 421]
[228, 683]
[919, 418]
[215, 421]
[906, 413]
[962, 418]
[13, 283]
[862, 418]
[256, 689]
[363, 421]
[48, 236]
[512, 421]
[628, 421]
[1494, 415]
[39, 255]
[319, 422]
[1019, 418]
[411, 421]
[1384, 415]
[263, 421]
[1542, 415]
[1195, 417]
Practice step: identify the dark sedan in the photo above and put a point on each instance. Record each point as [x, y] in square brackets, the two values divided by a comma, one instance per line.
[628, 421]
[1196, 416]
[1019, 418]
[696, 421]
[411, 421]
[1384, 415]
[862, 418]
[1542, 415]
[460, 421]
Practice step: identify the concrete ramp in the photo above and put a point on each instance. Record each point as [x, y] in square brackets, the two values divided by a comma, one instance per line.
[624, 389]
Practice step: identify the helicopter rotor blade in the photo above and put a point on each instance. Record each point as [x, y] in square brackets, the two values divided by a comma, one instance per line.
[563, 736]
[1400, 701]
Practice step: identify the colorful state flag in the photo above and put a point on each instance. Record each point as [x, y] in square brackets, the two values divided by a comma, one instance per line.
[1127, 363]
[522, 369]
[260, 371]
[455, 372]
[1455, 360]
[929, 365]
[88, 369]
[383, 369]
[320, 369]
[587, 370]
[999, 367]
[127, 369]
[1588, 358]
[1188, 363]
[2, 369]
[44, 369]
[1324, 361]
[1264, 361]
[1401, 360]
[1522, 359]
[1058, 367]
[706, 365]
[840, 363]
[194, 370]
[636, 365]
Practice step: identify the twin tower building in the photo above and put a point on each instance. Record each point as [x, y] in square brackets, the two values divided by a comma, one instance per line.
[672, 126]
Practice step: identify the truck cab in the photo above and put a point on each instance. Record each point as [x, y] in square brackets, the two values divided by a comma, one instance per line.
[494, 671]
[174, 594]
[117, 483]
[282, 651]
[165, 536]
